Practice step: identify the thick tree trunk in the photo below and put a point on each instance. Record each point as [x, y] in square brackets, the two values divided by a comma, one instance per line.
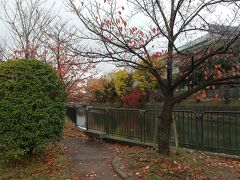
[164, 128]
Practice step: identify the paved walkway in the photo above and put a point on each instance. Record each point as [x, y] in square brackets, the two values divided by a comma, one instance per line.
[90, 160]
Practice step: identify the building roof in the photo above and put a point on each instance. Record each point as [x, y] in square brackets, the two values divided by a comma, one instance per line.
[214, 32]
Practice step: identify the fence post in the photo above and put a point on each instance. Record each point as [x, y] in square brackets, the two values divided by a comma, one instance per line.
[87, 118]
[175, 134]
[199, 131]
[155, 136]
[142, 120]
[108, 121]
[71, 113]
[202, 135]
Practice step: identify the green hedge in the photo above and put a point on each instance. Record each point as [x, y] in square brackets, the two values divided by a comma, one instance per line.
[32, 107]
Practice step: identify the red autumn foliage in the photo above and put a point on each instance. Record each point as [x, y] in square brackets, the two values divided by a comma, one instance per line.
[73, 74]
[136, 98]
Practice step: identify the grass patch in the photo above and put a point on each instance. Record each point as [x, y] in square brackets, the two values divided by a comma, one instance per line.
[148, 164]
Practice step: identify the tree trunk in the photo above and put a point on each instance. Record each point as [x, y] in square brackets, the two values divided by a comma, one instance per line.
[164, 128]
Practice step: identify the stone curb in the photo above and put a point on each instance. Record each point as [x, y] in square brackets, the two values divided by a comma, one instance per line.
[116, 168]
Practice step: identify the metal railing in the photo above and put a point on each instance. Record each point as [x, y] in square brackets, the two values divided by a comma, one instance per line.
[215, 131]
[221, 131]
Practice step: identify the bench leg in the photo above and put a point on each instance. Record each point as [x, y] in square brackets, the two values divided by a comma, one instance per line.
[100, 140]
[93, 138]
[90, 139]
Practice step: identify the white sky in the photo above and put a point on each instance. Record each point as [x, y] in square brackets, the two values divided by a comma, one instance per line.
[64, 12]
[59, 5]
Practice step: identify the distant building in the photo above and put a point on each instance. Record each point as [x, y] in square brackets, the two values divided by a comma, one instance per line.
[214, 33]
[215, 36]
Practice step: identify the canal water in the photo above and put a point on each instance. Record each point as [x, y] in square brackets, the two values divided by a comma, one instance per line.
[81, 118]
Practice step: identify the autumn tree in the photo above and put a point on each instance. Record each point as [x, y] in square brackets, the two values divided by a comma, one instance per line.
[110, 91]
[56, 50]
[39, 33]
[26, 20]
[96, 89]
[136, 98]
[168, 25]
[218, 61]
[144, 79]
[122, 82]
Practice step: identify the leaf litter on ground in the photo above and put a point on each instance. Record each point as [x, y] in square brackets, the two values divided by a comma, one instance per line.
[181, 164]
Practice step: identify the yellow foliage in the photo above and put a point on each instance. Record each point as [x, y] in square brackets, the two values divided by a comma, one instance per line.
[144, 79]
[122, 82]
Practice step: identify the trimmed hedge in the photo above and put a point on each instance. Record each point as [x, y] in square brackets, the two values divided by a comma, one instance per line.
[32, 107]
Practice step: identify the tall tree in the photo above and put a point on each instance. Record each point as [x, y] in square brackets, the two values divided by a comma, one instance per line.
[168, 25]
[39, 33]
[56, 49]
[26, 20]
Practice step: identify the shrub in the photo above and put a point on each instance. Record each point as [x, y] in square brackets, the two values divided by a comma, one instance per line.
[32, 107]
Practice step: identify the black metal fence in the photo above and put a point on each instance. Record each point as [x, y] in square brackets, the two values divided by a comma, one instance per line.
[216, 131]
[71, 112]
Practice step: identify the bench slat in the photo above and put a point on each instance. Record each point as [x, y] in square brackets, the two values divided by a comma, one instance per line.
[95, 132]
[99, 135]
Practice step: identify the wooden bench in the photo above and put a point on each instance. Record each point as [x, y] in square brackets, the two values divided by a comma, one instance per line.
[94, 135]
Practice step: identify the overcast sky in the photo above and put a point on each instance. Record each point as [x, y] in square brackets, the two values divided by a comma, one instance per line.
[60, 6]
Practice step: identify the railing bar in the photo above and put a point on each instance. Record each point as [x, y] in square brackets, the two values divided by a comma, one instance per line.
[211, 130]
[217, 129]
[116, 121]
[188, 126]
[237, 126]
[223, 129]
[120, 117]
[179, 124]
[131, 124]
[230, 134]
[191, 129]
[123, 122]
